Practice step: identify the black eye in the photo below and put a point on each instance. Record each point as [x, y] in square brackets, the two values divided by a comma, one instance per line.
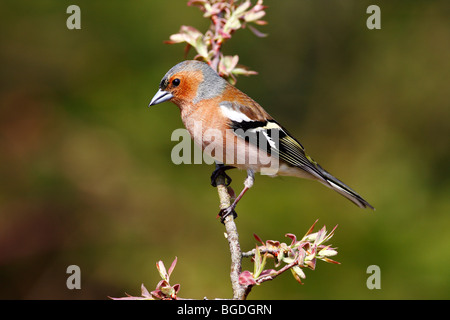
[175, 82]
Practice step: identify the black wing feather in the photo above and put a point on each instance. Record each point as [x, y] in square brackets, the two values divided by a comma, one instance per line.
[264, 134]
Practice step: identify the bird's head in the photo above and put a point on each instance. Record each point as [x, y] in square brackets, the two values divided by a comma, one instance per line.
[188, 83]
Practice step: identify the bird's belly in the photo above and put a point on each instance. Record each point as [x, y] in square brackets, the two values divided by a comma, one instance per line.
[229, 149]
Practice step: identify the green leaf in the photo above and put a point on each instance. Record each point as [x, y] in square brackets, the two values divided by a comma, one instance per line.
[253, 16]
[162, 270]
[201, 47]
[257, 262]
[242, 8]
[296, 276]
[243, 71]
[232, 24]
[299, 272]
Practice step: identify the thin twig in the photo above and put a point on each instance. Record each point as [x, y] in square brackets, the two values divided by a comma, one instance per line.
[252, 252]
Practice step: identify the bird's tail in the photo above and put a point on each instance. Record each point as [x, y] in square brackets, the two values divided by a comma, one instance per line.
[337, 185]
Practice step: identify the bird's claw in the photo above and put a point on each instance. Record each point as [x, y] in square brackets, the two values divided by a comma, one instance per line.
[226, 212]
[220, 170]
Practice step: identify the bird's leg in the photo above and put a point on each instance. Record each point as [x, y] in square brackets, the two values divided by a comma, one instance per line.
[248, 183]
[220, 170]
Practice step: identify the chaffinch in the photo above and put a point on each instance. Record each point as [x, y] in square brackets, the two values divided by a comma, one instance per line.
[235, 130]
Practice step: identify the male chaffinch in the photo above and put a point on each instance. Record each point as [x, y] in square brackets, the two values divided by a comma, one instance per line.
[244, 135]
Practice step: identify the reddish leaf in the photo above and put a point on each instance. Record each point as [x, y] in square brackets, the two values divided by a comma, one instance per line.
[258, 239]
[268, 272]
[246, 278]
[172, 266]
[311, 229]
[292, 237]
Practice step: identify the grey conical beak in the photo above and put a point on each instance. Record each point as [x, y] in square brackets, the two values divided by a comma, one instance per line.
[160, 97]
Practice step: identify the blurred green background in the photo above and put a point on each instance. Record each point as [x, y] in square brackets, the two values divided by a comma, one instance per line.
[86, 176]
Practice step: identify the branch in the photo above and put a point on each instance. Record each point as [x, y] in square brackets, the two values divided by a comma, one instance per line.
[233, 240]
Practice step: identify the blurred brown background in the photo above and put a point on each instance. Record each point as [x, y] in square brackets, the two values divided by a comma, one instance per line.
[86, 176]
